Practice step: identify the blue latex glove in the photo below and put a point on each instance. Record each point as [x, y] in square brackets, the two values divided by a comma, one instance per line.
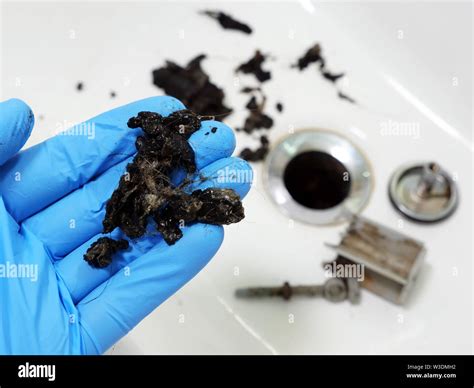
[52, 203]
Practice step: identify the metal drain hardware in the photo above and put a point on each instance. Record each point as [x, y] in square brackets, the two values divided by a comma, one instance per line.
[334, 290]
[390, 260]
[423, 192]
[369, 255]
[318, 176]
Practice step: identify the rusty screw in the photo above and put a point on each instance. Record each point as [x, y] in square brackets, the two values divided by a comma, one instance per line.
[333, 289]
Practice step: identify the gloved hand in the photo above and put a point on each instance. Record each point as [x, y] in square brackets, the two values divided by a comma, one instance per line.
[52, 203]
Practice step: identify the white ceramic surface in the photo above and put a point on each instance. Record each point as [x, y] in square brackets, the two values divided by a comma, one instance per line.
[405, 63]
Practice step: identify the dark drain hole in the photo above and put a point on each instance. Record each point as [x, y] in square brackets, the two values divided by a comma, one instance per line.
[317, 180]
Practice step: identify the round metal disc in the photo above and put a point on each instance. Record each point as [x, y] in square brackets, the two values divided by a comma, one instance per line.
[423, 192]
[338, 147]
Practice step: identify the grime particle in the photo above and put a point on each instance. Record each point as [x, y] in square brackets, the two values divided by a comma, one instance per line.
[279, 107]
[258, 154]
[228, 22]
[193, 87]
[312, 55]
[79, 86]
[333, 77]
[214, 129]
[250, 89]
[343, 96]
[252, 103]
[256, 118]
[254, 66]
[100, 253]
[210, 206]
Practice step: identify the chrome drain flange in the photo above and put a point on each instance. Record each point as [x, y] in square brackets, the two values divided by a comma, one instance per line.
[318, 177]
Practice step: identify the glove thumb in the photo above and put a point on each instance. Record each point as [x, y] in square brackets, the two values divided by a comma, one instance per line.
[16, 123]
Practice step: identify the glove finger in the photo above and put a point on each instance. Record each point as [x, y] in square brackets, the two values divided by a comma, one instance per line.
[74, 219]
[80, 278]
[58, 166]
[16, 124]
[115, 307]
[11, 241]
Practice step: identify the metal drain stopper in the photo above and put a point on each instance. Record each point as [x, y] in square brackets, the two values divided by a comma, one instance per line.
[423, 192]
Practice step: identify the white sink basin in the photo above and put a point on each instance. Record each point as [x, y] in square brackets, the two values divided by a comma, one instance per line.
[406, 65]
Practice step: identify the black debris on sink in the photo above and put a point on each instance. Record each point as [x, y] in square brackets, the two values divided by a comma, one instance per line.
[256, 118]
[345, 97]
[250, 89]
[252, 103]
[146, 190]
[333, 77]
[314, 55]
[254, 66]
[193, 87]
[257, 154]
[228, 22]
[80, 86]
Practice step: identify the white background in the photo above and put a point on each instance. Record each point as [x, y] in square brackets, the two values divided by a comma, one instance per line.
[401, 61]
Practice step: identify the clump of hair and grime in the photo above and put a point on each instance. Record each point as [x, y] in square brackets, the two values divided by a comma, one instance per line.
[147, 192]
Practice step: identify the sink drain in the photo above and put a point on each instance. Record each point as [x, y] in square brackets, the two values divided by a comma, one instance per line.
[317, 180]
[318, 176]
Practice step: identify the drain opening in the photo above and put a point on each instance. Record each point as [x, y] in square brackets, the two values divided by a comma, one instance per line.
[317, 180]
